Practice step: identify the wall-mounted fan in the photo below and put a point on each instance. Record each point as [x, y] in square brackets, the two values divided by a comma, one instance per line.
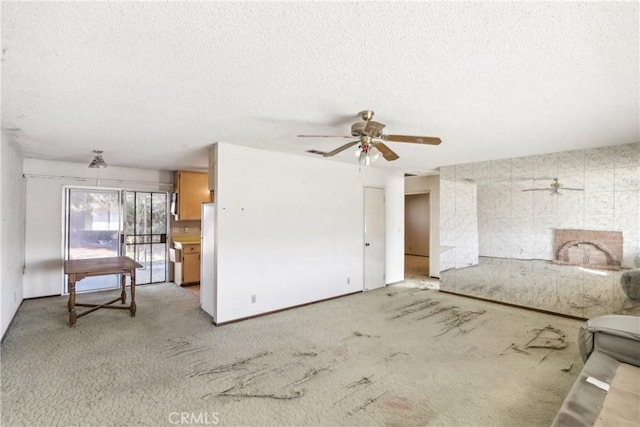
[554, 188]
[370, 137]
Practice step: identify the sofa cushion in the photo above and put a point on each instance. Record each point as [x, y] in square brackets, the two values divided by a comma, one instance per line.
[621, 406]
[615, 335]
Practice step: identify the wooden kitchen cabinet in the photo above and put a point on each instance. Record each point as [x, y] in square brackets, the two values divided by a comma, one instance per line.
[186, 257]
[192, 189]
[191, 268]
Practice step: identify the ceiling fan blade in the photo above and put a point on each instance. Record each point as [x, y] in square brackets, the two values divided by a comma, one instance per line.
[538, 189]
[324, 136]
[342, 148]
[387, 152]
[413, 139]
[373, 129]
[573, 189]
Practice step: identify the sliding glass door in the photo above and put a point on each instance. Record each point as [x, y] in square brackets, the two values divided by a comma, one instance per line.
[103, 223]
[145, 234]
[93, 231]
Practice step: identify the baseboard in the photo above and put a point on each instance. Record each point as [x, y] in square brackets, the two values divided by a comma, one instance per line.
[46, 296]
[12, 319]
[284, 309]
[508, 304]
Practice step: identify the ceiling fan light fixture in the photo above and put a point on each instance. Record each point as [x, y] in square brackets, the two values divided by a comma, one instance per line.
[364, 159]
[98, 161]
[366, 131]
[374, 153]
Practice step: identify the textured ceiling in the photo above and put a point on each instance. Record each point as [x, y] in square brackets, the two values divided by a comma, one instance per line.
[153, 84]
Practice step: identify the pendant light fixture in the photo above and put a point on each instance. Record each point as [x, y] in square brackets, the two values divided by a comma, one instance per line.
[98, 162]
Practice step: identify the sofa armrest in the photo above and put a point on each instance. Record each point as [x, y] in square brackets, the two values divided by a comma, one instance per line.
[614, 335]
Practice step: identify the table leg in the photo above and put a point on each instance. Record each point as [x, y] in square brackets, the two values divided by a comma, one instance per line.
[72, 301]
[132, 308]
[123, 294]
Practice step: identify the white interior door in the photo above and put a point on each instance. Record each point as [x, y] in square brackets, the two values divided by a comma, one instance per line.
[374, 248]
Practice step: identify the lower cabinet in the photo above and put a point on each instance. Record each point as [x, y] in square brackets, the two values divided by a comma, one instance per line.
[186, 261]
[191, 268]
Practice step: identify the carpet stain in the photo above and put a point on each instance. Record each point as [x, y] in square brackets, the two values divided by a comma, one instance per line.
[228, 367]
[283, 369]
[305, 354]
[414, 308]
[362, 381]
[458, 318]
[547, 337]
[364, 404]
[399, 403]
[343, 350]
[360, 334]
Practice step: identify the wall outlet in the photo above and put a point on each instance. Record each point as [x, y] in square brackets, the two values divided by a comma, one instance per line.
[176, 229]
[253, 299]
[186, 229]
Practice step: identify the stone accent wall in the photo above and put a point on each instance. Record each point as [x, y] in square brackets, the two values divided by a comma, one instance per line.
[589, 248]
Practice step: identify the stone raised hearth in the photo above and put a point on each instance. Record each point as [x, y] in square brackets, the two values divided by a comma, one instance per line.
[588, 248]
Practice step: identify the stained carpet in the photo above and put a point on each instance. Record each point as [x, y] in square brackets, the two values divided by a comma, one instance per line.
[395, 356]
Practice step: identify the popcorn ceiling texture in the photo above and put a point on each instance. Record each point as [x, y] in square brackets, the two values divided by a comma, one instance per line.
[154, 83]
[394, 356]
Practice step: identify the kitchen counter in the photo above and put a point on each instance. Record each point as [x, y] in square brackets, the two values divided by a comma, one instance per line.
[185, 240]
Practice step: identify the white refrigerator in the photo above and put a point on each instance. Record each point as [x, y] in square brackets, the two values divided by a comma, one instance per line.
[207, 260]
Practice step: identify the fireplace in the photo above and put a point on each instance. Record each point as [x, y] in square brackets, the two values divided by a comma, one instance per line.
[588, 248]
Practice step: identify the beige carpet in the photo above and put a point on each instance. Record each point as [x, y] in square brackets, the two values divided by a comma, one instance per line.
[416, 272]
[396, 356]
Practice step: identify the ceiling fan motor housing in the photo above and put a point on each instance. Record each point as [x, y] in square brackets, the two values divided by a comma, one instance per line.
[357, 129]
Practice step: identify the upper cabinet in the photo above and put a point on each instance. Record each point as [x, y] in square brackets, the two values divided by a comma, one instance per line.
[192, 189]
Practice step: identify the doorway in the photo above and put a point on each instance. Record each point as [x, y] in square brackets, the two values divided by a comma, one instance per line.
[417, 220]
[144, 236]
[374, 238]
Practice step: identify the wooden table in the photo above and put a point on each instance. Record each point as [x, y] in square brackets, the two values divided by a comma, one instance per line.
[78, 269]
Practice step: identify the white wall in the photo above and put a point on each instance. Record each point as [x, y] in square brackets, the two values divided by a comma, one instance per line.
[290, 229]
[416, 224]
[12, 208]
[429, 184]
[45, 183]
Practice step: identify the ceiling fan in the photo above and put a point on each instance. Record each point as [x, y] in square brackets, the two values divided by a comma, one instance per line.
[554, 188]
[370, 136]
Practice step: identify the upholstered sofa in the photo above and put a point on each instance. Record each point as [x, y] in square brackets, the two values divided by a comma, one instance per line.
[607, 390]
